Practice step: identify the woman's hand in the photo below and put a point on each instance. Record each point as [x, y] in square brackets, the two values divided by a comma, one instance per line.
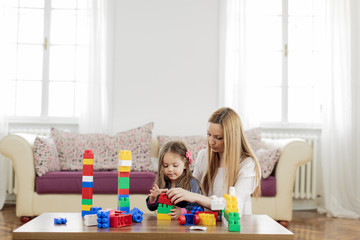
[155, 192]
[175, 213]
[177, 195]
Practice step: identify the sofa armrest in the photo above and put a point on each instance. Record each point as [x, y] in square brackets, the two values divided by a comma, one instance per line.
[19, 149]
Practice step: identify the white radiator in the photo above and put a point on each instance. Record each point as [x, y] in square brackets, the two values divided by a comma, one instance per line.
[305, 181]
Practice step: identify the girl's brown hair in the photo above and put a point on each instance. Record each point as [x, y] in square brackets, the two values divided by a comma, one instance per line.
[236, 150]
[179, 148]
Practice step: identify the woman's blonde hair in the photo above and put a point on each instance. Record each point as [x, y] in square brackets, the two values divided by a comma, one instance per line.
[179, 148]
[236, 150]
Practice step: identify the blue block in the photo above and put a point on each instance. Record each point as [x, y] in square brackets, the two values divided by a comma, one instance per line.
[103, 219]
[126, 209]
[122, 196]
[136, 215]
[87, 184]
[60, 220]
[190, 219]
[196, 209]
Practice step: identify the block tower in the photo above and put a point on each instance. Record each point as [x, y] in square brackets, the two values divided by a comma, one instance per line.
[87, 182]
[124, 167]
[231, 213]
[164, 207]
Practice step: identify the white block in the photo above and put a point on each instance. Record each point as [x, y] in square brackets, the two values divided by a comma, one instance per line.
[124, 163]
[217, 203]
[91, 220]
[87, 178]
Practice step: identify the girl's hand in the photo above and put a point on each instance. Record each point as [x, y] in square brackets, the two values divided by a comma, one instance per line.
[155, 192]
[175, 213]
[177, 195]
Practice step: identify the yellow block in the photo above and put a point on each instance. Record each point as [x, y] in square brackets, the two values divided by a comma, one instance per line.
[86, 207]
[124, 169]
[207, 219]
[124, 155]
[88, 161]
[163, 216]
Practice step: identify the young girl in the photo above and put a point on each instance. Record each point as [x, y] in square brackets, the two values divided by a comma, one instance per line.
[173, 171]
[228, 162]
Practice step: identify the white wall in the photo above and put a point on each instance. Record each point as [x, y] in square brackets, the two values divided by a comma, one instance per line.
[166, 65]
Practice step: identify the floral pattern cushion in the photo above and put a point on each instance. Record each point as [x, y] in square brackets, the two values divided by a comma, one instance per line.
[71, 147]
[254, 138]
[45, 156]
[267, 160]
[194, 144]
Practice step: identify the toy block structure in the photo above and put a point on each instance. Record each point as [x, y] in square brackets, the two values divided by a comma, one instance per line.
[87, 182]
[231, 216]
[164, 207]
[124, 167]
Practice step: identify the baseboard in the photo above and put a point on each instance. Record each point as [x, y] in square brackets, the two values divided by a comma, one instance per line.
[301, 204]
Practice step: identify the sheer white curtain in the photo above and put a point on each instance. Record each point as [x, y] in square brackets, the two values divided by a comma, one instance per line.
[4, 100]
[340, 156]
[232, 69]
[95, 114]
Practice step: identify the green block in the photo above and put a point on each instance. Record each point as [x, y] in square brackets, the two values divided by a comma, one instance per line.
[123, 183]
[163, 208]
[233, 216]
[124, 202]
[234, 226]
[86, 202]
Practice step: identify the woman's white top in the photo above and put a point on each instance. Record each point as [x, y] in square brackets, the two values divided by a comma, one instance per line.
[245, 184]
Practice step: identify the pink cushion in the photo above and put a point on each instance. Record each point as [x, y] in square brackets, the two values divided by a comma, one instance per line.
[45, 156]
[267, 160]
[71, 147]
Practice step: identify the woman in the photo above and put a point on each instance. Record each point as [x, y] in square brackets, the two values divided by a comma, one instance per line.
[228, 161]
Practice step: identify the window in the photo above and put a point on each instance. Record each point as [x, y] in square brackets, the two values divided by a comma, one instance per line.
[285, 59]
[46, 57]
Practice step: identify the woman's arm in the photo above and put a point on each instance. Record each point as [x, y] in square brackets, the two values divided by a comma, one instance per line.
[178, 194]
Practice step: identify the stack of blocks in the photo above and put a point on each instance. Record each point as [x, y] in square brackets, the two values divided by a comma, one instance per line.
[231, 216]
[87, 182]
[164, 207]
[124, 167]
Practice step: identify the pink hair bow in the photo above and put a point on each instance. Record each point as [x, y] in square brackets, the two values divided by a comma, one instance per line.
[188, 156]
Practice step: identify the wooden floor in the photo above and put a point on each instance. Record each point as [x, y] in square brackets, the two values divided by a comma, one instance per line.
[305, 225]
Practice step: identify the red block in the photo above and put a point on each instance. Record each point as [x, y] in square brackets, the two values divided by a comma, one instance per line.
[124, 174]
[123, 191]
[164, 199]
[87, 193]
[88, 170]
[88, 154]
[118, 219]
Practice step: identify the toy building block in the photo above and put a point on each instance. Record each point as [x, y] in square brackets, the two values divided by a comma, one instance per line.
[207, 219]
[123, 183]
[217, 203]
[90, 220]
[189, 219]
[163, 208]
[231, 217]
[119, 219]
[60, 220]
[163, 216]
[196, 209]
[87, 182]
[103, 219]
[123, 174]
[164, 199]
[123, 192]
[216, 214]
[137, 215]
